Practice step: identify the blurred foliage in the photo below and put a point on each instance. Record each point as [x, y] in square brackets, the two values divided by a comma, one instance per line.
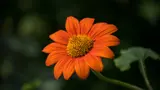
[26, 24]
[6, 68]
[32, 85]
[51, 85]
[150, 11]
[32, 25]
[127, 57]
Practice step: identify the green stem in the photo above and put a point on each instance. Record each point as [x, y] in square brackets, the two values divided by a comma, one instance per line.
[143, 72]
[117, 82]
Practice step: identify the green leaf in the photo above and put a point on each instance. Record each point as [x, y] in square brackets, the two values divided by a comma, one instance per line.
[32, 25]
[133, 54]
[150, 11]
[31, 85]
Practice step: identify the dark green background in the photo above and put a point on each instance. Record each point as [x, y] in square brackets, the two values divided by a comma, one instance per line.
[26, 24]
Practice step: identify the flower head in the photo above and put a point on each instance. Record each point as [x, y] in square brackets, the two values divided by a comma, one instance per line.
[80, 47]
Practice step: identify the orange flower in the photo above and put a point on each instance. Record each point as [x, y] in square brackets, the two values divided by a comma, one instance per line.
[81, 47]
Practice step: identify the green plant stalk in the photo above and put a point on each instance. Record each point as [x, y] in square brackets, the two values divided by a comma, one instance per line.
[144, 74]
[117, 82]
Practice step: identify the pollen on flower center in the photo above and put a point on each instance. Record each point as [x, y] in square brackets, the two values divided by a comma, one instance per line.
[79, 45]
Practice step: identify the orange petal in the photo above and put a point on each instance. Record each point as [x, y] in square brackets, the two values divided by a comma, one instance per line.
[102, 51]
[86, 25]
[109, 30]
[58, 69]
[107, 40]
[54, 57]
[97, 28]
[60, 37]
[94, 62]
[81, 68]
[101, 29]
[53, 46]
[72, 25]
[68, 68]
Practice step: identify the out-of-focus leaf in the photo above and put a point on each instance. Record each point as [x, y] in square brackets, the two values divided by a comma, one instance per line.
[52, 85]
[31, 85]
[133, 54]
[17, 44]
[6, 68]
[150, 11]
[32, 25]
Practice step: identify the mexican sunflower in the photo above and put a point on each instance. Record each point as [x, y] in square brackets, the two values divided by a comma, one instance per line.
[80, 47]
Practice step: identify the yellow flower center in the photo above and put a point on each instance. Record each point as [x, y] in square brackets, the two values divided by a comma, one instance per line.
[79, 45]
